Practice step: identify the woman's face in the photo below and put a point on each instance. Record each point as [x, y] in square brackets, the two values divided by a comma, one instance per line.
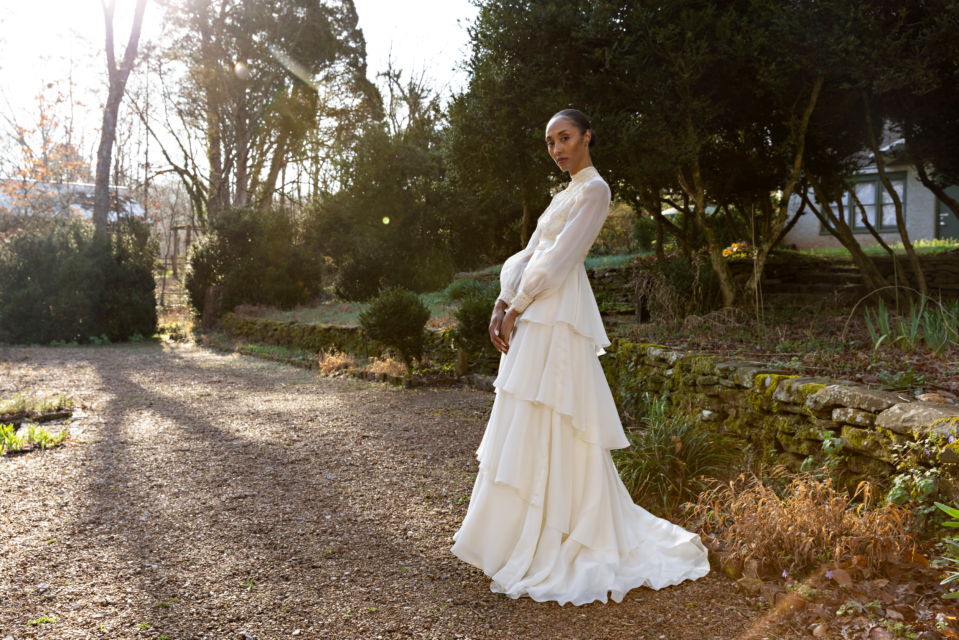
[568, 147]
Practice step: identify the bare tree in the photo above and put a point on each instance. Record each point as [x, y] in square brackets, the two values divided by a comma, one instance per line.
[118, 79]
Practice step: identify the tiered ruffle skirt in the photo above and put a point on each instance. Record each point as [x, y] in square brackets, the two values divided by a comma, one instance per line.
[549, 516]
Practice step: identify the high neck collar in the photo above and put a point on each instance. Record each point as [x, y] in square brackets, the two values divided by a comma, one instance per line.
[584, 174]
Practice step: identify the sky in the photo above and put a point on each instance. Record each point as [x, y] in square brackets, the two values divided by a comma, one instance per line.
[40, 38]
[423, 34]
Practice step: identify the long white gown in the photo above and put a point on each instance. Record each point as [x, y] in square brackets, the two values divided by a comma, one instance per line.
[549, 516]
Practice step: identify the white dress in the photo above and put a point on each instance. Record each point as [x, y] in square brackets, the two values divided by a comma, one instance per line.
[549, 516]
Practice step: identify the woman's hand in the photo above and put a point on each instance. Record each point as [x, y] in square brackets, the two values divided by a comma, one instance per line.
[506, 329]
[496, 334]
[501, 326]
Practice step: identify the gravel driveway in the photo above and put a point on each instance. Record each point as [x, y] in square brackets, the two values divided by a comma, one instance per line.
[210, 495]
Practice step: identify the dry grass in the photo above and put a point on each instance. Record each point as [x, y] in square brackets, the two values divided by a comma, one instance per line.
[173, 315]
[723, 319]
[678, 289]
[333, 361]
[387, 364]
[809, 524]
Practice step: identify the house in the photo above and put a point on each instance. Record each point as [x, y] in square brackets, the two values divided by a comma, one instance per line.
[925, 216]
[33, 197]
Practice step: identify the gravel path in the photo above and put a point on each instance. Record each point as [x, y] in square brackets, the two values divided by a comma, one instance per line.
[210, 495]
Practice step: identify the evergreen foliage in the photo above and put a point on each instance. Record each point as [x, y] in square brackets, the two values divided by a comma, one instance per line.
[395, 221]
[61, 281]
[260, 258]
[397, 318]
[477, 300]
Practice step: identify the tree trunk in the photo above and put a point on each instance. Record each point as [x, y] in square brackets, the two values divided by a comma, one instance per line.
[939, 192]
[792, 223]
[660, 252]
[836, 225]
[241, 197]
[740, 235]
[896, 201]
[219, 196]
[772, 233]
[875, 234]
[108, 132]
[716, 259]
[278, 163]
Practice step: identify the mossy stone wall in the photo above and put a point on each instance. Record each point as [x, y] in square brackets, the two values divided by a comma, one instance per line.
[787, 417]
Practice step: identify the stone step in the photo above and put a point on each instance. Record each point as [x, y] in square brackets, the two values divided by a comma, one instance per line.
[829, 277]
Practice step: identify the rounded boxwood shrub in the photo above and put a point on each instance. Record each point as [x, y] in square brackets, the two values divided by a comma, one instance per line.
[397, 318]
[60, 281]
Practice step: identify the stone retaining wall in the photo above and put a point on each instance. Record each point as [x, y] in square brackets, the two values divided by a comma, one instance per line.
[791, 279]
[787, 417]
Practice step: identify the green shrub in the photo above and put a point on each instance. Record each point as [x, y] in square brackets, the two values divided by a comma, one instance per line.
[473, 316]
[671, 458]
[397, 318]
[62, 282]
[460, 289]
[430, 271]
[361, 278]
[644, 233]
[259, 258]
[368, 271]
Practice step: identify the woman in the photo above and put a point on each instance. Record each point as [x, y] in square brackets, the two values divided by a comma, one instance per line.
[549, 516]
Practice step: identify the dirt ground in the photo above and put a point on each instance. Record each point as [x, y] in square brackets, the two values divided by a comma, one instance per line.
[211, 495]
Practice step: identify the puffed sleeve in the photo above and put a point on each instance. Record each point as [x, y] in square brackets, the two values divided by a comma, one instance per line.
[547, 272]
[513, 269]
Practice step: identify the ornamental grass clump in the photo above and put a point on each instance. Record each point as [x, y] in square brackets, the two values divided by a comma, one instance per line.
[387, 365]
[333, 361]
[397, 318]
[808, 523]
[672, 458]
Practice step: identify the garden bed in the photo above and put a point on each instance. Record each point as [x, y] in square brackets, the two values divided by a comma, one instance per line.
[808, 342]
[20, 420]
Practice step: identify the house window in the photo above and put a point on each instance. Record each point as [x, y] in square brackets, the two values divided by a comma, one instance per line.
[877, 202]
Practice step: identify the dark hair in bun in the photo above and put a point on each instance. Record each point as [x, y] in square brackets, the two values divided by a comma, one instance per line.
[579, 119]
